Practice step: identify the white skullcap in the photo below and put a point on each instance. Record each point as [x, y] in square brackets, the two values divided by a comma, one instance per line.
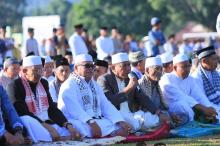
[153, 61]
[48, 59]
[166, 57]
[83, 57]
[119, 57]
[180, 58]
[31, 61]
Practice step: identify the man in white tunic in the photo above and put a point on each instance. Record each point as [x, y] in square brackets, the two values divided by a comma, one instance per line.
[31, 43]
[83, 103]
[48, 69]
[104, 44]
[207, 77]
[76, 42]
[126, 96]
[167, 61]
[181, 92]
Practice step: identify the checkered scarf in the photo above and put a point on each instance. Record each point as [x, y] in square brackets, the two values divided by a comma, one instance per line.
[38, 104]
[212, 90]
[146, 87]
[91, 107]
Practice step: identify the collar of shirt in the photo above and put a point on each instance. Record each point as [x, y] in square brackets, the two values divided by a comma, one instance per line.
[121, 84]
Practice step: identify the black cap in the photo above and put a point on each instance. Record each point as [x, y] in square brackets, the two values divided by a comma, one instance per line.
[78, 26]
[68, 53]
[30, 29]
[104, 28]
[30, 54]
[101, 63]
[61, 61]
[3, 27]
[205, 52]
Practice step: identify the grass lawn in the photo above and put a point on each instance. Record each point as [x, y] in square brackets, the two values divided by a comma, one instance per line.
[203, 141]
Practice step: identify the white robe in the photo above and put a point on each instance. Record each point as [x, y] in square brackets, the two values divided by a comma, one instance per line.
[105, 47]
[71, 104]
[31, 46]
[197, 76]
[77, 45]
[181, 94]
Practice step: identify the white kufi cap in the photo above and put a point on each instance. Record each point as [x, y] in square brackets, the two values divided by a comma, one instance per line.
[31, 61]
[119, 57]
[83, 57]
[153, 61]
[166, 57]
[180, 58]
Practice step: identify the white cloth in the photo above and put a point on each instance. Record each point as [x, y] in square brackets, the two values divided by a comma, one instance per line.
[104, 47]
[38, 133]
[53, 92]
[31, 46]
[70, 102]
[153, 61]
[83, 57]
[77, 45]
[218, 24]
[182, 91]
[31, 61]
[139, 119]
[119, 57]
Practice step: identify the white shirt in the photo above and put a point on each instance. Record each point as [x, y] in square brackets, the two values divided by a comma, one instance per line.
[104, 47]
[77, 45]
[70, 102]
[177, 89]
[31, 46]
[124, 105]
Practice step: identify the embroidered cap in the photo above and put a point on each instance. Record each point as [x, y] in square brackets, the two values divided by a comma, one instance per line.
[205, 52]
[136, 56]
[166, 57]
[83, 57]
[31, 61]
[153, 61]
[180, 58]
[119, 57]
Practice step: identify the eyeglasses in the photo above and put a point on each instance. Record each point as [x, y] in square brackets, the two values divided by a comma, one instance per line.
[88, 66]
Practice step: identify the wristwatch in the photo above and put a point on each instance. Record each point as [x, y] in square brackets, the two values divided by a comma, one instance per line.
[91, 121]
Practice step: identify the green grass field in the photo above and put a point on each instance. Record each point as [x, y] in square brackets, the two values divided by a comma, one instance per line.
[202, 141]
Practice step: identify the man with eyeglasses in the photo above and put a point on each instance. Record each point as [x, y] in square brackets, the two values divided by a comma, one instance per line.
[84, 103]
[126, 96]
[182, 94]
[32, 100]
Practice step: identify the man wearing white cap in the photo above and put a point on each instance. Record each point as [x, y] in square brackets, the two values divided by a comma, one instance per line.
[167, 61]
[149, 84]
[181, 93]
[126, 96]
[207, 76]
[84, 104]
[48, 69]
[32, 100]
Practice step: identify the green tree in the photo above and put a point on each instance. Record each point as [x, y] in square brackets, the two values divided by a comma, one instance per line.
[11, 12]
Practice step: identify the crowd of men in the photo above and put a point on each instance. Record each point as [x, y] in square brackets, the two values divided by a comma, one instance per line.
[70, 94]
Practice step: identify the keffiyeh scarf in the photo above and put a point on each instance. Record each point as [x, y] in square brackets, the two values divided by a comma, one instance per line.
[38, 105]
[90, 103]
[212, 90]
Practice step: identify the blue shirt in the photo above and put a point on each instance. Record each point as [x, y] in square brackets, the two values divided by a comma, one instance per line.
[9, 111]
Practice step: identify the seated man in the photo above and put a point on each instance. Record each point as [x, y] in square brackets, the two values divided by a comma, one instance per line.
[11, 69]
[137, 60]
[61, 72]
[181, 93]
[207, 76]
[32, 100]
[167, 61]
[15, 127]
[84, 104]
[126, 97]
[101, 67]
[149, 84]
[48, 69]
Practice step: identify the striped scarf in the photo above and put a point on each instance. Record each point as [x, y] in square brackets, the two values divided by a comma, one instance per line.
[90, 103]
[146, 87]
[38, 105]
[212, 90]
